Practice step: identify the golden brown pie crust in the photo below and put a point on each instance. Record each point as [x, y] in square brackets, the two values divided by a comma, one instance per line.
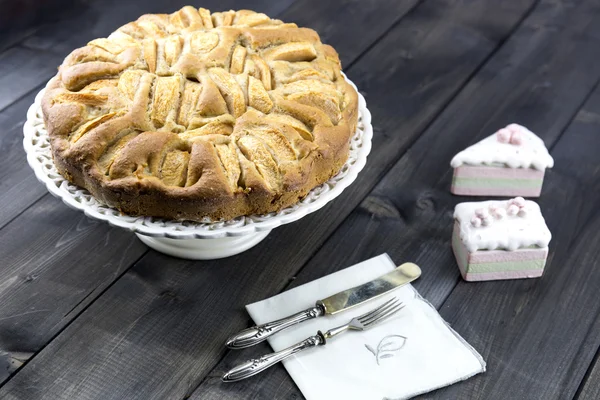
[193, 115]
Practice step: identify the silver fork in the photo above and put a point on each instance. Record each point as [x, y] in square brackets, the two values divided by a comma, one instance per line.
[360, 323]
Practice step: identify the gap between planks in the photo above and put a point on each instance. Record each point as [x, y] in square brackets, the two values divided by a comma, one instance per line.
[37, 88]
[555, 140]
[393, 162]
[550, 149]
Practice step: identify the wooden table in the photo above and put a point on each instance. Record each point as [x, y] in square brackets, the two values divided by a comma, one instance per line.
[88, 312]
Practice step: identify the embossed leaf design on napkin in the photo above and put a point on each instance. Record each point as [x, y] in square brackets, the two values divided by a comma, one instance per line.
[411, 353]
[387, 347]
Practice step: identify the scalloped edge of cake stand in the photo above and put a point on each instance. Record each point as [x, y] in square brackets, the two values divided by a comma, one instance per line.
[193, 244]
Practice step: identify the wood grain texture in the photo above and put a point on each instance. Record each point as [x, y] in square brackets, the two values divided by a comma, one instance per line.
[409, 214]
[158, 331]
[46, 279]
[539, 336]
[23, 69]
[21, 18]
[360, 24]
[18, 191]
[152, 333]
[147, 349]
[589, 388]
[94, 19]
[90, 21]
[35, 59]
[17, 180]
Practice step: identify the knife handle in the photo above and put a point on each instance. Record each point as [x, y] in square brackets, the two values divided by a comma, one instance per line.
[256, 334]
[256, 365]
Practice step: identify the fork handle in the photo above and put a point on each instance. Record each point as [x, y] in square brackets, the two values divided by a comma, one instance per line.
[257, 365]
[251, 336]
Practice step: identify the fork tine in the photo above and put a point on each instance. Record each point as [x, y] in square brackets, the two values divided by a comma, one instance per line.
[373, 311]
[381, 316]
[387, 314]
[379, 309]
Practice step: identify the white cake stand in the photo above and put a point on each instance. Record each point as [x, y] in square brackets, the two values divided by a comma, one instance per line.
[187, 239]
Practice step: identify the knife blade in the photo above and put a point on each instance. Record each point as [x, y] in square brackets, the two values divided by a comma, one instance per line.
[334, 304]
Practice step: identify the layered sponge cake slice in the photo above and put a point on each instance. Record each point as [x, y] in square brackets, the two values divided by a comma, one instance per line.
[511, 162]
[500, 239]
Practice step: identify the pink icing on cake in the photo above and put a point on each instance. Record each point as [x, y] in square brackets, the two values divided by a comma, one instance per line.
[512, 245]
[510, 162]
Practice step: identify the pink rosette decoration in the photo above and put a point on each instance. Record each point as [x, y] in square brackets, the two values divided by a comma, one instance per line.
[516, 206]
[481, 217]
[503, 135]
[511, 134]
[497, 212]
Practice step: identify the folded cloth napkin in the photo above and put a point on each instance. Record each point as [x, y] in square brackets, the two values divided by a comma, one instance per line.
[411, 353]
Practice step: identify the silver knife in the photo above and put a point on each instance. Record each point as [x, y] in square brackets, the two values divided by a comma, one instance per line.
[339, 302]
[361, 323]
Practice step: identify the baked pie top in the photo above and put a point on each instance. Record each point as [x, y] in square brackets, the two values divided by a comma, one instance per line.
[192, 115]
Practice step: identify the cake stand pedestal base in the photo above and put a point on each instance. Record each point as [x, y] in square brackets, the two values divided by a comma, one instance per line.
[204, 249]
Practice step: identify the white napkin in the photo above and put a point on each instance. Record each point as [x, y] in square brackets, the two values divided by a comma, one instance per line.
[432, 356]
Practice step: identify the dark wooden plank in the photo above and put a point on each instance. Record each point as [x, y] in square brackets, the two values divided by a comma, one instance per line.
[539, 336]
[538, 78]
[55, 261]
[409, 214]
[590, 387]
[68, 27]
[59, 37]
[21, 70]
[347, 38]
[160, 328]
[275, 383]
[17, 176]
[17, 180]
[93, 19]
[21, 18]
[60, 252]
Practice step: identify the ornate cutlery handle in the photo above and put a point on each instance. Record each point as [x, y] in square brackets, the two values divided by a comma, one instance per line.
[256, 334]
[254, 366]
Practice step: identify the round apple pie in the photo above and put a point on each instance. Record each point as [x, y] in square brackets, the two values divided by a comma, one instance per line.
[194, 115]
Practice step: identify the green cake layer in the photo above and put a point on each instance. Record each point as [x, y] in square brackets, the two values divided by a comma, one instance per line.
[497, 182]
